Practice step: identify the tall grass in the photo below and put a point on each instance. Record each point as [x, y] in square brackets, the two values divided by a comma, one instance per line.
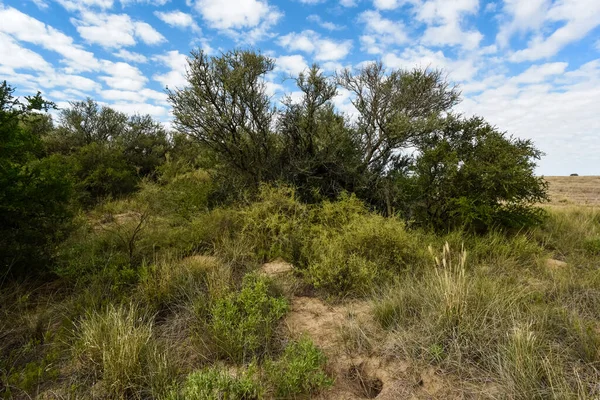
[118, 347]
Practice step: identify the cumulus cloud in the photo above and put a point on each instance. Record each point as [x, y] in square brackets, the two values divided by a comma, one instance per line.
[28, 29]
[380, 33]
[120, 75]
[178, 19]
[322, 49]
[115, 30]
[177, 64]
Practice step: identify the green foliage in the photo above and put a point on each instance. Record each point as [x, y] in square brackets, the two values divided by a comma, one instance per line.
[109, 151]
[274, 223]
[220, 384]
[592, 246]
[242, 324]
[370, 249]
[470, 175]
[35, 191]
[299, 371]
[226, 107]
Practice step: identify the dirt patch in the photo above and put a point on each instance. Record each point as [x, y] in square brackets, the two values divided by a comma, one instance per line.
[359, 374]
[276, 268]
[555, 264]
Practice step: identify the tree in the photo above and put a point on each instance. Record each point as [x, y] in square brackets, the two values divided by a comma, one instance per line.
[226, 107]
[35, 190]
[319, 153]
[110, 151]
[469, 175]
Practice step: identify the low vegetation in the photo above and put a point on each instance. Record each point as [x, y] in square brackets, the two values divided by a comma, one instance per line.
[133, 261]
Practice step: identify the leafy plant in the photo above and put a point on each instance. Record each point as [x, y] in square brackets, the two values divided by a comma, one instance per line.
[243, 324]
[299, 370]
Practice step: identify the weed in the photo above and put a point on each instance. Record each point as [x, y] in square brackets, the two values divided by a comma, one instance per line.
[219, 384]
[299, 370]
[242, 324]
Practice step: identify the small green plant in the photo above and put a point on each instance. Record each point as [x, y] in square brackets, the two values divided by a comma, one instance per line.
[219, 384]
[299, 370]
[242, 324]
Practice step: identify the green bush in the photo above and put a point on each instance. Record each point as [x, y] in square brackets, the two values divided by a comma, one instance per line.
[274, 224]
[182, 197]
[243, 324]
[35, 191]
[299, 371]
[370, 249]
[219, 384]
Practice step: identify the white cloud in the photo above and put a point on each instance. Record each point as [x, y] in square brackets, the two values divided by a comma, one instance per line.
[445, 20]
[27, 29]
[539, 73]
[135, 96]
[421, 57]
[330, 26]
[141, 108]
[177, 63]
[13, 56]
[311, 42]
[121, 75]
[234, 14]
[348, 3]
[380, 32]
[41, 4]
[580, 17]
[178, 19]
[80, 5]
[561, 122]
[522, 16]
[130, 56]
[115, 30]
[388, 4]
[291, 65]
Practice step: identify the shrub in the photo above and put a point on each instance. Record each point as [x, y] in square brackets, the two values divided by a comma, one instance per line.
[35, 191]
[181, 197]
[299, 370]
[242, 324]
[370, 249]
[274, 223]
[219, 384]
[118, 346]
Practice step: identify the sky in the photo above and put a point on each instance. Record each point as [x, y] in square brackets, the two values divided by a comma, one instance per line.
[530, 67]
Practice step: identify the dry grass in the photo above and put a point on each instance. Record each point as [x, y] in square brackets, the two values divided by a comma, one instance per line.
[574, 190]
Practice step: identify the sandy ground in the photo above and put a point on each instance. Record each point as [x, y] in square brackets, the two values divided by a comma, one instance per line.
[359, 374]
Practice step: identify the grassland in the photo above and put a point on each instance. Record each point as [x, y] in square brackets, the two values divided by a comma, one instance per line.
[574, 190]
[276, 299]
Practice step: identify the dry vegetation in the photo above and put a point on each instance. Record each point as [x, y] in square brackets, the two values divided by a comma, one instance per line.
[574, 190]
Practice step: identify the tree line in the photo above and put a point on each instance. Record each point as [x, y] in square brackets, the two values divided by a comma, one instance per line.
[404, 151]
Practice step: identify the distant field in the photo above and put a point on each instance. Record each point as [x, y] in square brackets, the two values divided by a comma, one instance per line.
[574, 190]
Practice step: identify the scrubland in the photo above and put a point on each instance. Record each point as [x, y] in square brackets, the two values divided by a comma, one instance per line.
[160, 297]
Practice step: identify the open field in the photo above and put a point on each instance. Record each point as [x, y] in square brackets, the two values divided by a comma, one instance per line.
[574, 190]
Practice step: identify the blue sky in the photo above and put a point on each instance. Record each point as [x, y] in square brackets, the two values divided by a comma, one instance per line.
[531, 67]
